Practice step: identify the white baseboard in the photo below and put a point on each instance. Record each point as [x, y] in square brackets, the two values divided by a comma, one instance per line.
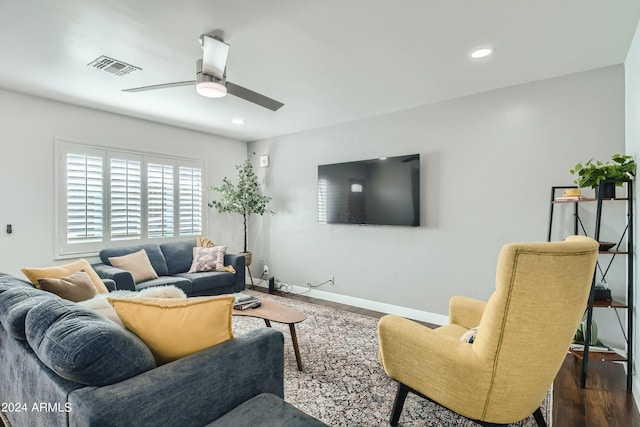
[409, 313]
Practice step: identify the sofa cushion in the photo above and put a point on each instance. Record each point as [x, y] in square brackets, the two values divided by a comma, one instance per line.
[266, 410]
[174, 328]
[55, 272]
[7, 281]
[153, 252]
[137, 264]
[178, 255]
[15, 303]
[179, 282]
[75, 287]
[208, 280]
[82, 346]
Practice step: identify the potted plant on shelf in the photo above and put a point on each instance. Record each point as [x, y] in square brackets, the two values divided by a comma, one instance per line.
[592, 172]
[243, 198]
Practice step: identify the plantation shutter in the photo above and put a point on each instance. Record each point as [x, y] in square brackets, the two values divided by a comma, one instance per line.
[126, 198]
[190, 200]
[84, 201]
[160, 200]
[106, 196]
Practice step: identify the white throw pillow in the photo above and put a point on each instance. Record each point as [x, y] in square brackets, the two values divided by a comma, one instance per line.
[208, 259]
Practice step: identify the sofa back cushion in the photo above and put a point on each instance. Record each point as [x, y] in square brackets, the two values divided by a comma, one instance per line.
[84, 347]
[178, 255]
[15, 303]
[7, 281]
[153, 252]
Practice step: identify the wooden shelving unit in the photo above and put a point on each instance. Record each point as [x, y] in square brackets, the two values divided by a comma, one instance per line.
[626, 237]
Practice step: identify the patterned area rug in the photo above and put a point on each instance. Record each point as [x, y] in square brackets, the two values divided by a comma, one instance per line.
[342, 382]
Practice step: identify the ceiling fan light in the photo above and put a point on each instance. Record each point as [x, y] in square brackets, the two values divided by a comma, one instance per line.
[211, 89]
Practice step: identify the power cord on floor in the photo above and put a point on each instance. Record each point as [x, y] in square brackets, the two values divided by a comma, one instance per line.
[288, 289]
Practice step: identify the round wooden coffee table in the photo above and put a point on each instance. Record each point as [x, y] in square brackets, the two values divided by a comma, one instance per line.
[271, 311]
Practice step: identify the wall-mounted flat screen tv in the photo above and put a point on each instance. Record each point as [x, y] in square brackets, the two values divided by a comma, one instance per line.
[383, 191]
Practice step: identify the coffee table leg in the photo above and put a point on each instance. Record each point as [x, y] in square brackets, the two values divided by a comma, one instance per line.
[294, 338]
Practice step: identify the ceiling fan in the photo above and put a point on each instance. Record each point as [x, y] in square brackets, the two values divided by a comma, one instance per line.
[211, 80]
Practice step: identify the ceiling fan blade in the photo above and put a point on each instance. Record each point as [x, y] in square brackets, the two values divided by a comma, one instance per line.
[255, 97]
[161, 86]
[214, 56]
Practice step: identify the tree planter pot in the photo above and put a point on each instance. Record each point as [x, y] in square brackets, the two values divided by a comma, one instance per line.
[247, 257]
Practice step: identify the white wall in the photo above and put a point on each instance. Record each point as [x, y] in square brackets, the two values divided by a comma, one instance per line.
[488, 162]
[632, 138]
[28, 126]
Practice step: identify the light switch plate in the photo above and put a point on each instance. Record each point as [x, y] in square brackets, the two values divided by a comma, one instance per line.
[264, 161]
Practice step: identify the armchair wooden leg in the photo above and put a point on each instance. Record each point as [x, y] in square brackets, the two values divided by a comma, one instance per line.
[398, 404]
[539, 418]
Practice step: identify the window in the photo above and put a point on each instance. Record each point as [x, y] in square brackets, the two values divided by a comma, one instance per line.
[84, 197]
[125, 185]
[190, 200]
[160, 199]
[113, 196]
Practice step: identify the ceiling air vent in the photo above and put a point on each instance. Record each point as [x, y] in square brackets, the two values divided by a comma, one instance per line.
[113, 66]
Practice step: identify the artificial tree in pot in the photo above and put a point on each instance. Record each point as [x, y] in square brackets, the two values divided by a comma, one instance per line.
[243, 198]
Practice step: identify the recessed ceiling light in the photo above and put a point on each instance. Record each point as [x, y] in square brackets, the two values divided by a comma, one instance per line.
[238, 121]
[482, 52]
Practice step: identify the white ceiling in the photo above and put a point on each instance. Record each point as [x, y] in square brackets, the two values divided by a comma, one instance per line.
[329, 61]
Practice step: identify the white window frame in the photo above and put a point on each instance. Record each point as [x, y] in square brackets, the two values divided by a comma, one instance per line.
[64, 249]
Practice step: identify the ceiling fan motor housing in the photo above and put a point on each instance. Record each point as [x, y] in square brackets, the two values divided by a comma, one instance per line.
[207, 85]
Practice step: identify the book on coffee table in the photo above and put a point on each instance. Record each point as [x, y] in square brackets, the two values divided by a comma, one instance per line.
[240, 297]
[244, 301]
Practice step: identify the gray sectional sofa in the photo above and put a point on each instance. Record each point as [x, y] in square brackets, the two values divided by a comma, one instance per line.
[172, 261]
[64, 365]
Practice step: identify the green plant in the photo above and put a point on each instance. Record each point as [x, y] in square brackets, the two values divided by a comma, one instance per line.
[243, 198]
[592, 172]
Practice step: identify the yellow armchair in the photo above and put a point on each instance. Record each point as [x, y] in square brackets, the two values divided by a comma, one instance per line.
[523, 334]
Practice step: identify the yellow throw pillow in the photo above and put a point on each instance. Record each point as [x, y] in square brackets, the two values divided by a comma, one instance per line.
[204, 242]
[137, 264]
[76, 287]
[174, 328]
[56, 272]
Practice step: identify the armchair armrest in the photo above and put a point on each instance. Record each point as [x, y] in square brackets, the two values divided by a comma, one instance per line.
[237, 261]
[192, 391]
[122, 278]
[406, 347]
[409, 351]
[465, 311]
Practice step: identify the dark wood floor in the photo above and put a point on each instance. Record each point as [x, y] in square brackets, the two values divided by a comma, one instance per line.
[605, 401]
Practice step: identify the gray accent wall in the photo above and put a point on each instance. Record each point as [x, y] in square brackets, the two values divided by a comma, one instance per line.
[488, 162]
